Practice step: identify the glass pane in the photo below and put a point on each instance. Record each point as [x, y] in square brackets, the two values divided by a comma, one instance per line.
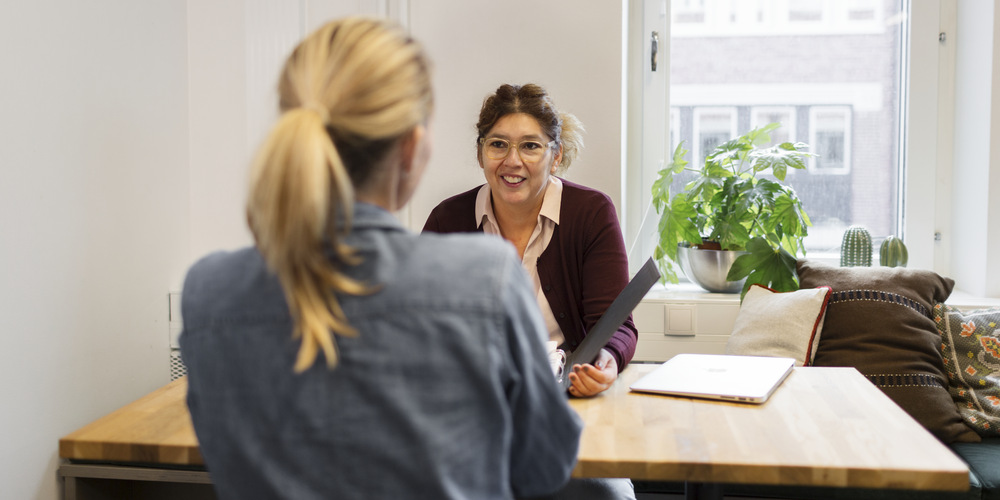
[829, 71]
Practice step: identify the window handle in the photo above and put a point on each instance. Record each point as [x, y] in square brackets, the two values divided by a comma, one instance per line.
[653, 48]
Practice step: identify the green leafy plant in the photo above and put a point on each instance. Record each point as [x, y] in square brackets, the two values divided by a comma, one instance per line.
[731, 202]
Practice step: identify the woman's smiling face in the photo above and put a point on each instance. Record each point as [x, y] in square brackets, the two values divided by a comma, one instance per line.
[514, 182]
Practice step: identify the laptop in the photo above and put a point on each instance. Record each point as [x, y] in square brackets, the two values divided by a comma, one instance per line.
[613, 317]
[743, 379]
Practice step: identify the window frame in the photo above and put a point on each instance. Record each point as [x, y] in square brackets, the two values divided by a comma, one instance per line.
[926, 149]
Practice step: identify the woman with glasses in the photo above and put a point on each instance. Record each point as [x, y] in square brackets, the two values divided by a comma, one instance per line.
[343, 356]
[567, 235]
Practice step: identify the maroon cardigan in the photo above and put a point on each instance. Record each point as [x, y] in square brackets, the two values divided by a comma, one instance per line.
[581, 271]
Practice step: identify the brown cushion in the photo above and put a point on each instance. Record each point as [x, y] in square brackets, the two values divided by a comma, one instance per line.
[879, 320]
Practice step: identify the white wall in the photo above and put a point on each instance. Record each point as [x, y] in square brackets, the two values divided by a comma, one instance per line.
[575, 52]
[975, 216]
[93, 188]
[127, 130]
[237, 48]
[219, 132]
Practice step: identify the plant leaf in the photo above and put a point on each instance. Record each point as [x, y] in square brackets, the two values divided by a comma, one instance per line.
[762, 135]
[668, 271]
[728, 154]
[787, 218]
[779, 159]
[763, 193]
[765, 265]
[705, 185]
[661, 186]
[677, 225]
[678, 162]
[661, 189]
[731, 233]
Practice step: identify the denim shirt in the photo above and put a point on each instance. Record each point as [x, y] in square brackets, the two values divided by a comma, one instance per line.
[445, 393]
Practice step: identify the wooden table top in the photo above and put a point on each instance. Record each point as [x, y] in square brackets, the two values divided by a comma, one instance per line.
[822, 427]
[155, 429]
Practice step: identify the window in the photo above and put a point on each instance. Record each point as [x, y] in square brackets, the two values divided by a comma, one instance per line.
[909, 116]
[834, 84]
[689, 11]
[762, 115]
[805, 11]
[830, 137]
[711, 127]
[675, 129]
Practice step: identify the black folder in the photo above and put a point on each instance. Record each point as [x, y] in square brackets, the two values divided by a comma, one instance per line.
[614, 317]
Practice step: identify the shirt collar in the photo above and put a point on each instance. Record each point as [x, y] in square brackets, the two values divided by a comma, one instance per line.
[368, 215]
[551, 203]
[552, 200]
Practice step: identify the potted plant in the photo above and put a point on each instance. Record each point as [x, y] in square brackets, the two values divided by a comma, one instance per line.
[730, 205]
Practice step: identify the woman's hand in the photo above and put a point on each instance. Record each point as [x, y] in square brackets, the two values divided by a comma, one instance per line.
[589, 380]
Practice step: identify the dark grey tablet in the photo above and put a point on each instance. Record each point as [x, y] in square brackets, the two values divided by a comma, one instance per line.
[614, 317]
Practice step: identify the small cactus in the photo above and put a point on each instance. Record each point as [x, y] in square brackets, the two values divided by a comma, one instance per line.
[893, 253]
[856, 249]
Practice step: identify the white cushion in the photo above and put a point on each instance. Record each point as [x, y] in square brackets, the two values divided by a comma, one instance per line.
[780, 324]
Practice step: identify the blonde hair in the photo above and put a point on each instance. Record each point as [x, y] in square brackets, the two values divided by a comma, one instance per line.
[532, 100]
[348, 94]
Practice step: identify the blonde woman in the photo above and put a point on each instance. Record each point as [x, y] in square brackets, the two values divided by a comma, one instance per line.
[343, 356]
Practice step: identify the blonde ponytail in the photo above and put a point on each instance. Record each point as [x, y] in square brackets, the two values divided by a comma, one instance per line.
[345, 103]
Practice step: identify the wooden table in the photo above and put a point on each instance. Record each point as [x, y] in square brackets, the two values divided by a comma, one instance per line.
[146, 449]
[822, 427]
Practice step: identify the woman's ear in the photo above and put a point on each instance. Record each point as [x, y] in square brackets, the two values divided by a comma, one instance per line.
[556, 161]
[408, 149]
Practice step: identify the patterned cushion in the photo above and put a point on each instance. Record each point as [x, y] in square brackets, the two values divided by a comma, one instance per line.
[879, 320]
[785, 325]
[970, 346]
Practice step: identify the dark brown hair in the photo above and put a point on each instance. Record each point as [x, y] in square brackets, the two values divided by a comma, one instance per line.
[532, 100]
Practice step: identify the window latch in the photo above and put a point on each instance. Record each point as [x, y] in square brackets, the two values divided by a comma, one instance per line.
[653, 49]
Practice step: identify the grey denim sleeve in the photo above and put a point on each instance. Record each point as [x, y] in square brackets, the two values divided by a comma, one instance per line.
[546, 434]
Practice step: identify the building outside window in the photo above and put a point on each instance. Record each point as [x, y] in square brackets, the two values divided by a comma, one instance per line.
[830, 137]
[711, 127]
[829, 71]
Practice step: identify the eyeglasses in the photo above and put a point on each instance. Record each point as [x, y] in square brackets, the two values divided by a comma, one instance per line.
[529, 150]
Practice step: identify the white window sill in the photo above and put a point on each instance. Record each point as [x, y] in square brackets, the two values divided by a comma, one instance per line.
[689, 292]
[968, 301]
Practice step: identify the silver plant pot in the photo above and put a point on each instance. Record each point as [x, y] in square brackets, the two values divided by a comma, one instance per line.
[709, 268]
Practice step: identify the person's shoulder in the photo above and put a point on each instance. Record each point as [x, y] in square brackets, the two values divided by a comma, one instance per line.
[581, 195]
[454, 214]
[475, 257]
[461, 199]
[224, 275]
[586, 205]
[219, 265]
[466, 247]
